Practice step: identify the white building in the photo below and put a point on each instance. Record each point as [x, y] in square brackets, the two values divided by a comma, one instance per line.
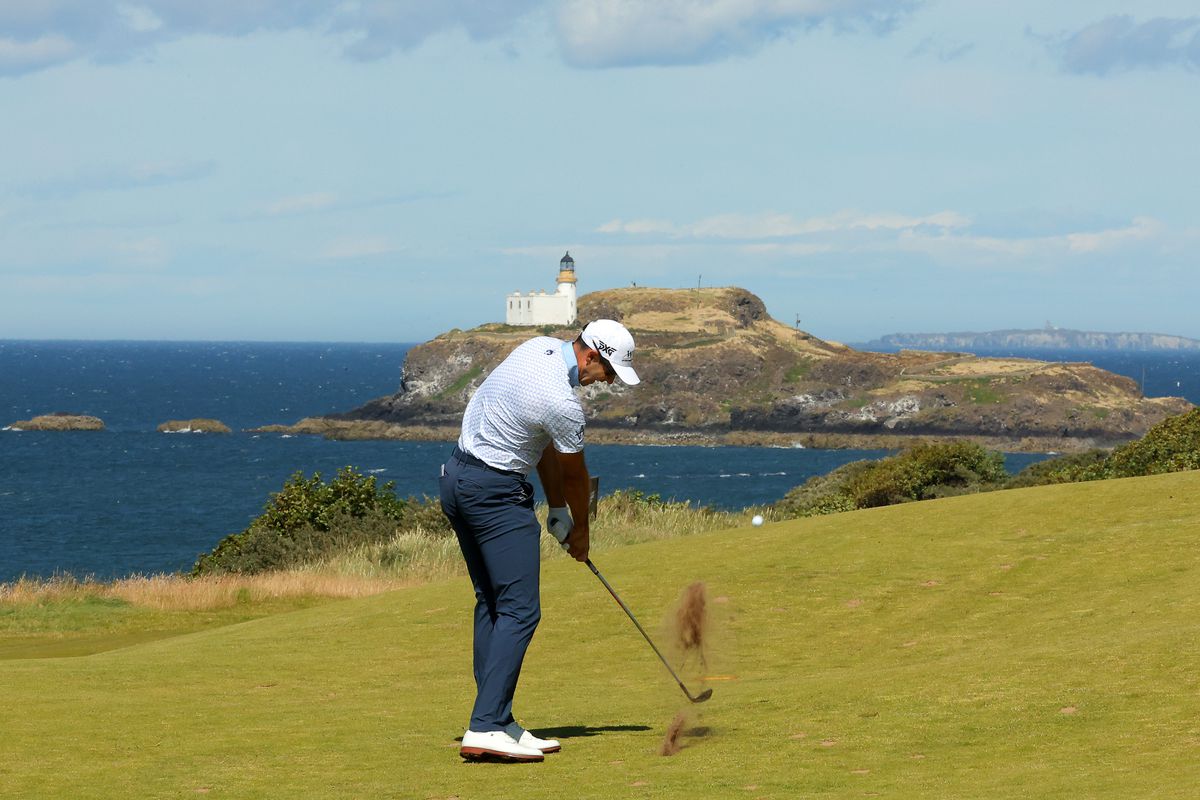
[540, 308]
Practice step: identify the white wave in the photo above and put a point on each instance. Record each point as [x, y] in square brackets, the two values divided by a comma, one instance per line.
[640, 475]
[377, 471]
[772, 474]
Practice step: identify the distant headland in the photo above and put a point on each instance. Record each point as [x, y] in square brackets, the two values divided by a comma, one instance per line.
[1048, 338]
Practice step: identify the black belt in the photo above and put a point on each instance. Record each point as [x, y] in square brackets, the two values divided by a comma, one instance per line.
[467, 458]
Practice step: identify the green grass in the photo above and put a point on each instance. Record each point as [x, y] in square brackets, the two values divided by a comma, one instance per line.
[798, 371]
[983, 392]
[85, 623]
[460, 384]
[980, 391]
[1029, 643]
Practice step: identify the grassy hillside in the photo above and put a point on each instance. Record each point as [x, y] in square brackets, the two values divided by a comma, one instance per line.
[1032, 643]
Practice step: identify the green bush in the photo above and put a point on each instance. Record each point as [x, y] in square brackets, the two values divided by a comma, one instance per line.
[823, 494]
[1064, 469]
[309, 519]
[921, 473]
[928, 471]
[1172, 445]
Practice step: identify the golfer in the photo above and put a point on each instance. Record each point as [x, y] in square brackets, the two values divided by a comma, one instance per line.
[525, 416]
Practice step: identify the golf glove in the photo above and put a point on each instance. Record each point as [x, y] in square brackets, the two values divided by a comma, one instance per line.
[559, 523]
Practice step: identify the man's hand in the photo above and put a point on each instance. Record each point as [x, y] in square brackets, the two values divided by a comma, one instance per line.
[559, 524]
[578, 543]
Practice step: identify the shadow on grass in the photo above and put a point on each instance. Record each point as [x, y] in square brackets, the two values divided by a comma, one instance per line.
[577, 731]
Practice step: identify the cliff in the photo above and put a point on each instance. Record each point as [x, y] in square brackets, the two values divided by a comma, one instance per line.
[717, 368]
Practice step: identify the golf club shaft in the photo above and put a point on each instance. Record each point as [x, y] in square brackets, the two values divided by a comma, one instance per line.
[642, 630]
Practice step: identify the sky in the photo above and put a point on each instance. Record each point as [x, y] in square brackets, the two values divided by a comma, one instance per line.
[320, 170]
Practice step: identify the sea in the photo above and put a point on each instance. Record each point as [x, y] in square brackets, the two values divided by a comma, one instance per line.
[132, 501]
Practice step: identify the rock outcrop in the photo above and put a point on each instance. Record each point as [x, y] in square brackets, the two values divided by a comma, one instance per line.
[194, 426]
[59, 422]
[716, 367]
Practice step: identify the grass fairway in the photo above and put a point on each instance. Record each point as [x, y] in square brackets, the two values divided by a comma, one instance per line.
[1033, 643]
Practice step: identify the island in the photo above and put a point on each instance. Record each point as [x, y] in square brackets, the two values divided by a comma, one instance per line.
[194, 426]
[1048, 338]
[717, 369]
[59, 421]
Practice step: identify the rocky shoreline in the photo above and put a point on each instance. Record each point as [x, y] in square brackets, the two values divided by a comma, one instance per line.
[353, 430]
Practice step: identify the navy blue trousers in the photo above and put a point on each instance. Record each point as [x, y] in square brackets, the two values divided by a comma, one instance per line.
[498, 532]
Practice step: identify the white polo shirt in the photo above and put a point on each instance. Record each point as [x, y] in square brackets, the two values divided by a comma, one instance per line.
[525, 404]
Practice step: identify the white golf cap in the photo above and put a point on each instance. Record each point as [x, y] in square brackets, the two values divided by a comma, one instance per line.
[615, 343]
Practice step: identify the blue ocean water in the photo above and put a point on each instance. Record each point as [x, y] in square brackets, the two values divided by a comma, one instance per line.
[130, 500]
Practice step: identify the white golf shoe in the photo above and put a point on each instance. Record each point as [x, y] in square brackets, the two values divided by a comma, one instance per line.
[544, 745]
[527, 739]
[496, 744]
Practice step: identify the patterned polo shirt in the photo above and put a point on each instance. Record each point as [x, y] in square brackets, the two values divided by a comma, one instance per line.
[525, 404]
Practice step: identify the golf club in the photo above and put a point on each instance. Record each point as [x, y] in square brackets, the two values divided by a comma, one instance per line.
[700, 698]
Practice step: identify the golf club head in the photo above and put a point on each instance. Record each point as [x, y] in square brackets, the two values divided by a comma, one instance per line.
[700, 698]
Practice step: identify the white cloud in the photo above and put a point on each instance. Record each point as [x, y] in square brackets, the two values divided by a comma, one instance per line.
[591, 33]
[1141, 229]
[139, 19]
[618, 33]
[770, 226]
[382, 27]
[1036, 248]
[18, 57]
[1118, 43]
[946, 234]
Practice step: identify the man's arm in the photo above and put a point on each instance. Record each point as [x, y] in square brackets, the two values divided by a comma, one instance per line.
[550, 474]
[565, 480]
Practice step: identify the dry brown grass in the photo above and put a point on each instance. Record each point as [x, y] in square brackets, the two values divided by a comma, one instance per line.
[181, 593]
[410, 558]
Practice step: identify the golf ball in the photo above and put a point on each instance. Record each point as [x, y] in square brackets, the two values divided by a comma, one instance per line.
[758, 520]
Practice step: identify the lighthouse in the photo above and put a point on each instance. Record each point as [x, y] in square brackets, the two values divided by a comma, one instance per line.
[566, 285]
[542, 308]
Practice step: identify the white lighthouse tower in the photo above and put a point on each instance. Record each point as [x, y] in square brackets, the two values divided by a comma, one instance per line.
[541, 308]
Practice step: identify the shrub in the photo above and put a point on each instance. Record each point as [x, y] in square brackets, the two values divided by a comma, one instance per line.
[824, 494]
[307, 519]
[928, 471]
[1170, 446]
[920, 473]
[1064, 469]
